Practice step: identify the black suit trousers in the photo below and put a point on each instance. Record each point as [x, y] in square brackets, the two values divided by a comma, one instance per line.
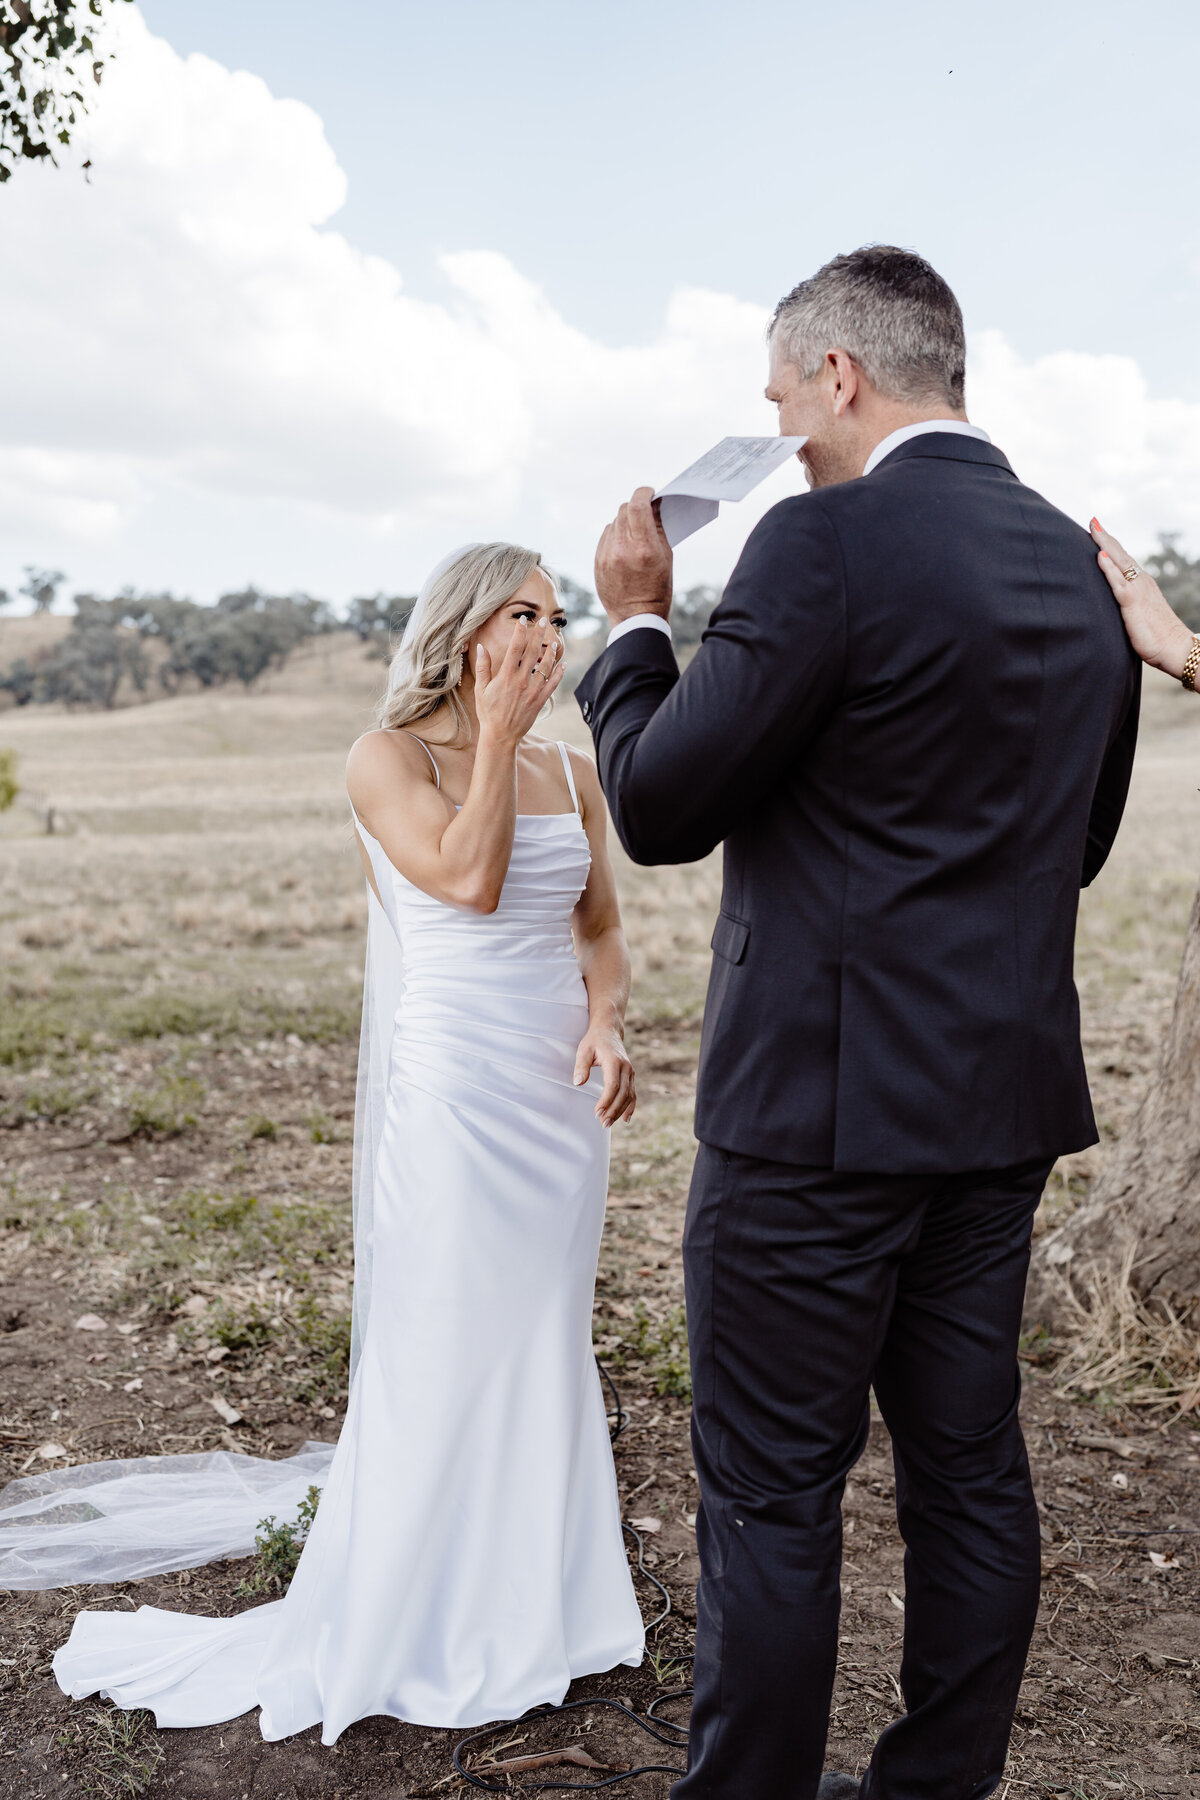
[805, 1288]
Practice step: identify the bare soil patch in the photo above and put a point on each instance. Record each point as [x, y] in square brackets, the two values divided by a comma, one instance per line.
[178, 1020]
[97, 1222]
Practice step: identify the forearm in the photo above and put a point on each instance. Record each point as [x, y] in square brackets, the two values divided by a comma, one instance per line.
[604, 963]
[1176, 654]
[681, 756]
[476, 846]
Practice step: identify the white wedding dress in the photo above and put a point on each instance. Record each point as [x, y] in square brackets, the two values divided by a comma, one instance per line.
[467, 1559]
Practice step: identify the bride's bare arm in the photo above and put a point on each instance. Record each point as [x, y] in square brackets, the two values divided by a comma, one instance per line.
[603, 958]
[458, 857]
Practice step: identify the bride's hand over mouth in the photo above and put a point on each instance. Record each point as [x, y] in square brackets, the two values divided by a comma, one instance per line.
[510, 695]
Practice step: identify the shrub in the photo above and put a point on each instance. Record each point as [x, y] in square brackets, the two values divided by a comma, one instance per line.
[320, 1127]
[251, 1331]
[169, 1108]
[663, 1343]
[9, 788]
[277, 1549]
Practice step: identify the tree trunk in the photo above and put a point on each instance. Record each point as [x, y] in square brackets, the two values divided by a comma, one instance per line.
[1149, 1190]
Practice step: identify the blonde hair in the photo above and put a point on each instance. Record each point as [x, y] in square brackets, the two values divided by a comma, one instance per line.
[428, 666]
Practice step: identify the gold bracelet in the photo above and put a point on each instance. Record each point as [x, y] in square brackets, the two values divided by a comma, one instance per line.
[1191, 667]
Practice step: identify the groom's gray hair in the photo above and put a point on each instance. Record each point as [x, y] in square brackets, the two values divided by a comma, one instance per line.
[890, 311]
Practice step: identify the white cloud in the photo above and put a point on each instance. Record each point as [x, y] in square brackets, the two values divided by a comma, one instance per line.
[212, 383]
[1086, 432]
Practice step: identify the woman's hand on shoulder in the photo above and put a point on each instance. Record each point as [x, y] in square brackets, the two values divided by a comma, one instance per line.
[1156, 631]
[602, 1047]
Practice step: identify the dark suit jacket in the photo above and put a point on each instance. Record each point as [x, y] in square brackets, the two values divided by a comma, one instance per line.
[911, 721]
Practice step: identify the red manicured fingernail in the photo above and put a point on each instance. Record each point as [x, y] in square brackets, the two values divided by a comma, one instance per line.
[1096, 525]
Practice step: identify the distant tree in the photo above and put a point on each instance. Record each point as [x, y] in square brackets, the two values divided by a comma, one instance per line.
[690, 612]
[582, 608]
[47, 60]
[41, 586]
[1178, 578]
[5, 597]
[85, 667]
[376, 617]
[19, 680]
[156, 615]
[9, 785]
[238, 639]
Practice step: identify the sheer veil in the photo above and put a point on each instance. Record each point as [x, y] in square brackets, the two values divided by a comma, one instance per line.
[146, 1515]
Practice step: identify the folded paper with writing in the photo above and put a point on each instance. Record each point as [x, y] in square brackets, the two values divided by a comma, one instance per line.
[729, 471]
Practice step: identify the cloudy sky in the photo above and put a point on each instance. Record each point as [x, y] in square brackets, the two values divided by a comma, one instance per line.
[349, 285]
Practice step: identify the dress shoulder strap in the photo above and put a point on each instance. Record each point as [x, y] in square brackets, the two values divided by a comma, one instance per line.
[566, 763]
[437, 773]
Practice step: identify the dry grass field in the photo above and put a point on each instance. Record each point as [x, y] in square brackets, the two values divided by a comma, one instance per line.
[178, 1031]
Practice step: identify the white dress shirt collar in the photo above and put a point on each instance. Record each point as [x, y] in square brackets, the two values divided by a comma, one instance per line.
[895, 438]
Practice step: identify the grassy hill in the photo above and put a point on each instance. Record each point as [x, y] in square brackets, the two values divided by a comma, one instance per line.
[202, 875]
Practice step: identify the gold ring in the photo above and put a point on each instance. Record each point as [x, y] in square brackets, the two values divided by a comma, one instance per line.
[1132, 572]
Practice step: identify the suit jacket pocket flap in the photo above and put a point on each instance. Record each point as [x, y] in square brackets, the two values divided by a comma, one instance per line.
[730, 937]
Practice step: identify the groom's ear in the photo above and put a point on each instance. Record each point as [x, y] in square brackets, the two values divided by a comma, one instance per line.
[844, 377]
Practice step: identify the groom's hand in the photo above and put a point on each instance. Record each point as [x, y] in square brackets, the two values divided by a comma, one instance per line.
[634, 566]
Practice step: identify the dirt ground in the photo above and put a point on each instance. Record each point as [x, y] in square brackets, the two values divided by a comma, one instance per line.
[1110, 1699]
[180, 969]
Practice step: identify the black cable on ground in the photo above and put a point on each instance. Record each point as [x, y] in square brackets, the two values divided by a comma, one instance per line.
[549, 1712]
[546, 1712]
[622, 1417]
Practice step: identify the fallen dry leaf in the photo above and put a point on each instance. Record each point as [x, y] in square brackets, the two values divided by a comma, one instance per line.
[1163, 1560]
[648, 1524]
[49, 1450]
[230, 1414]
[131, 1387]
[896, 1600]
[91, 1322]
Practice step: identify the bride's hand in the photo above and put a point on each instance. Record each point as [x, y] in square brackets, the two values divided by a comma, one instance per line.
[602, 1047]
[508, 699]
[1156, 632]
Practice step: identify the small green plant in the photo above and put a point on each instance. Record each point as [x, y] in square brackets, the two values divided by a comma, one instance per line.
[9, 786]
[249, 1331]
[666, 1667]
[663, 1344]
[277, 1549]
[320, 1126]
[326, 1339]
[258, 1125]
[58, 1100]
[202, 1213]
[121, 1753]
[170, 1107]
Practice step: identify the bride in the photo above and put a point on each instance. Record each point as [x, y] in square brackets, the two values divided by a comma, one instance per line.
[466, 1561]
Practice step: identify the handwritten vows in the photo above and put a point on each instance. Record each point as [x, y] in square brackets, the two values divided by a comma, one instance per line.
[729, 471]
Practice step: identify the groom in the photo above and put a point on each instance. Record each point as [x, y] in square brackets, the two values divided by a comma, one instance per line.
[911, 724]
